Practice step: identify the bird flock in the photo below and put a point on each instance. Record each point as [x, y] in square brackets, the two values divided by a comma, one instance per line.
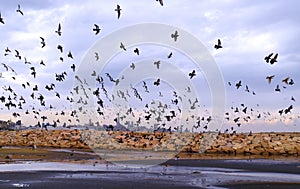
[15, 98]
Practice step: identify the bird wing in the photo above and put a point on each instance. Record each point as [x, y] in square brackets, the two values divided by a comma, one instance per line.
[219, 42]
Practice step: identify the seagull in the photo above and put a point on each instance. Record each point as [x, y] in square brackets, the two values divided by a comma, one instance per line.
[18, 54]
[157, 82]
[26, 62]
[42, 63]
[19, 10]
[286, 80]
[122, 46]
[70, 55]
[1, 19]
[43, 42]
[97, 56]
[238, 84]
[59, 47]
[73, 67]
[273, 60]
[219, 45]
[136, 50]
[132, 66]
[268, 58]
[58, 30]
[118, 9]
[96, 29]
[161, 2]
[291, 82]
[157, 63]
[293, 99]
[277, 88]
[192, 74]
[175, 35]
[269, 78]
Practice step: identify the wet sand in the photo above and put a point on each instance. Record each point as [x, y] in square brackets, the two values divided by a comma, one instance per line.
[70, 168]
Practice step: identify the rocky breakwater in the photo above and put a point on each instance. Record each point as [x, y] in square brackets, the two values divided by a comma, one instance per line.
[43, 138]
[249, 144]
[257, 144]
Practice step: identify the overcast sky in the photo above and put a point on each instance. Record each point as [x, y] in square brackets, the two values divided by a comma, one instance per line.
[249, 31]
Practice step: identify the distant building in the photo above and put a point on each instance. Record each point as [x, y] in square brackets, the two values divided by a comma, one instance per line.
[7, 125]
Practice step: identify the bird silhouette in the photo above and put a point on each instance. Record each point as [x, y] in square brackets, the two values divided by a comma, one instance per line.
[175, 35]
[170, 55]
[19, 10]
[70, 55]
[274, 59]
[122, 46]
[60, 48]
[43, 42]
[157, 63]
[238, 84]
[118, 10]
[157, 82]
[291, 82]
[219, 45]
[1, 19]
[269, 78]
[286, 80]
[161, 2]
[97, 56]
[132, 66]
[136, 50]
[58, 31]
[277, 89]
[73, 67]
[268, 58]
[17, 54]
[96, 29]
[192, 74]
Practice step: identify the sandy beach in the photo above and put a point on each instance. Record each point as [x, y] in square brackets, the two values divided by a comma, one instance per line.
[78, 168]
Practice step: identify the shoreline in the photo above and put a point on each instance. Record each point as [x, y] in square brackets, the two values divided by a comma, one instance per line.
[57, 168]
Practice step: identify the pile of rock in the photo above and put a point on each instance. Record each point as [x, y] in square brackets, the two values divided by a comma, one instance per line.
[215, 143]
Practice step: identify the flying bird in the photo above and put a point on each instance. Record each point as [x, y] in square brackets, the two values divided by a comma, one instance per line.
[157, 82]
[273, 60]
[277, 88]
[73, 67]
[122, 46]
[268, 58]
[136, 50]
[97, 56]
[60, 48]
[238, 84]
[175, 35]
[1, 19]
[132, 66]
[161, 2]
[286, 80]
[269, 78]
[157, 63]
[58, 31]
[170, 55]
[192, 74]
[43, 42]
[17, 54]
[96, 29]
[219, 45]
[70, 55]
[19, 10]
[118, 10]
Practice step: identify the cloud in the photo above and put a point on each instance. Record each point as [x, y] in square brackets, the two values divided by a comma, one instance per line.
[249, 30]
